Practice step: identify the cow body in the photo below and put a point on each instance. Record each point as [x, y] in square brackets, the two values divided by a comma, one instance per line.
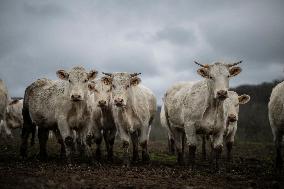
[14, 118]
[61, 106]
[103, 122]
[4, 100]
[133, 109]
[276, 119]
[197, 108]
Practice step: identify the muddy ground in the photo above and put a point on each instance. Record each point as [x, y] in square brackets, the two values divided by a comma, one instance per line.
[252, 168]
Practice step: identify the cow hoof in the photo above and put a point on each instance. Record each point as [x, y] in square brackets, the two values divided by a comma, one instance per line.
[110, 157]
[89, 140]
[42, 157]
[145, 157]
[126, 161]
[98, 154]
[69, 141]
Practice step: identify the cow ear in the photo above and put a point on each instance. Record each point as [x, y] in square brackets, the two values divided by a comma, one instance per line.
[135, 81]
[203, 72]
[91, 86]
[62, 74]
[14, 102]
[92, 74]
[243, 99]
[106, 80]
[235, 71]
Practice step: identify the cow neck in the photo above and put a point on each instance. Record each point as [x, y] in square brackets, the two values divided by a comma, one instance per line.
[123, 112]
[212, 103]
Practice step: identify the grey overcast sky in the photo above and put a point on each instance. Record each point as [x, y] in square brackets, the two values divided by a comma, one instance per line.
[159, 38]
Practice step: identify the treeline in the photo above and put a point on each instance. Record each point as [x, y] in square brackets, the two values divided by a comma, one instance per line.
[253, 124]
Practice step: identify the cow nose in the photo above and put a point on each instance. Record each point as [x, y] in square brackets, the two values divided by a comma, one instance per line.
[232, 118]
[118, 101]
[76, 97]
[102, 103]
[222, 94]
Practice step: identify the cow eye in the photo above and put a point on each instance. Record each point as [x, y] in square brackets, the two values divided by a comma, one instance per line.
[210, 77]
[113, 86]
[69, 81]
[85, 81]
[127, 86]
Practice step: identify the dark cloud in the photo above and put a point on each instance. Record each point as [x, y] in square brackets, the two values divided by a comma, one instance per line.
[158, 38]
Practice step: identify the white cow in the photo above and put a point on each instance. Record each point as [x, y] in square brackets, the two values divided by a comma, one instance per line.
[14, 118]
[198, 108]
[231, 111]
[104, 126]
[276, 119]
[61, 106]
[4, 100]
[133, 108]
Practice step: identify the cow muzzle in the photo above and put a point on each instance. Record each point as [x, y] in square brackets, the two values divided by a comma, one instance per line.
[119, 102]
[232, 118]
[222, 94]
[76, 97]
[102, 103]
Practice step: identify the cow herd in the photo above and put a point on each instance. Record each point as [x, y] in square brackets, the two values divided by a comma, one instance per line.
[82, 109]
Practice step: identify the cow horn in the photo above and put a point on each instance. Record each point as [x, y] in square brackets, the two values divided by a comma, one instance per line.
[108, 74]
[234, 64]
[134, 74]
[204, 66]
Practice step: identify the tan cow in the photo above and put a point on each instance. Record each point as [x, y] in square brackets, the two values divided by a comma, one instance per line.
[133, 107]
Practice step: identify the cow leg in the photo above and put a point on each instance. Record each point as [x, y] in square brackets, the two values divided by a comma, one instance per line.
[61, 142]
[171, 145]
[217, 148]
[191, 137]
[43, 137]
[33, 131]
[98, 140]
[229, 146]
[203, 147]
[84, 149]
[144, 138]
[178, 141]
[106, 134]
[24, 142]
[278, 140]
[134, 139]
[111, 139]
[125, 138]
[68, 138]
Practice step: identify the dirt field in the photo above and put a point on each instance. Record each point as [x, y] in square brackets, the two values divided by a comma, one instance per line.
[252, 168]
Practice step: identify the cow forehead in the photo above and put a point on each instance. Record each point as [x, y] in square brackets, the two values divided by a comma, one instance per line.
[77, 73]
[120, 77]
[233, 99]
[219, 68]
[100, 86]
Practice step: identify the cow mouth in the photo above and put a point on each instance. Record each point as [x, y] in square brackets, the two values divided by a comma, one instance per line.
[222, 98]
[103, 106]
[232, 120]
[120, 105]
[76, 100]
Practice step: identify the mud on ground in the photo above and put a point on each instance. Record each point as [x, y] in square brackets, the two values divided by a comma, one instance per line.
[252, 168]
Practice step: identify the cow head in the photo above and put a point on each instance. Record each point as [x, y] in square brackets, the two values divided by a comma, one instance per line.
[231, 106]
[77, 87]
[14, 117]
[102, 91]
[121, 84]
[218, 76]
